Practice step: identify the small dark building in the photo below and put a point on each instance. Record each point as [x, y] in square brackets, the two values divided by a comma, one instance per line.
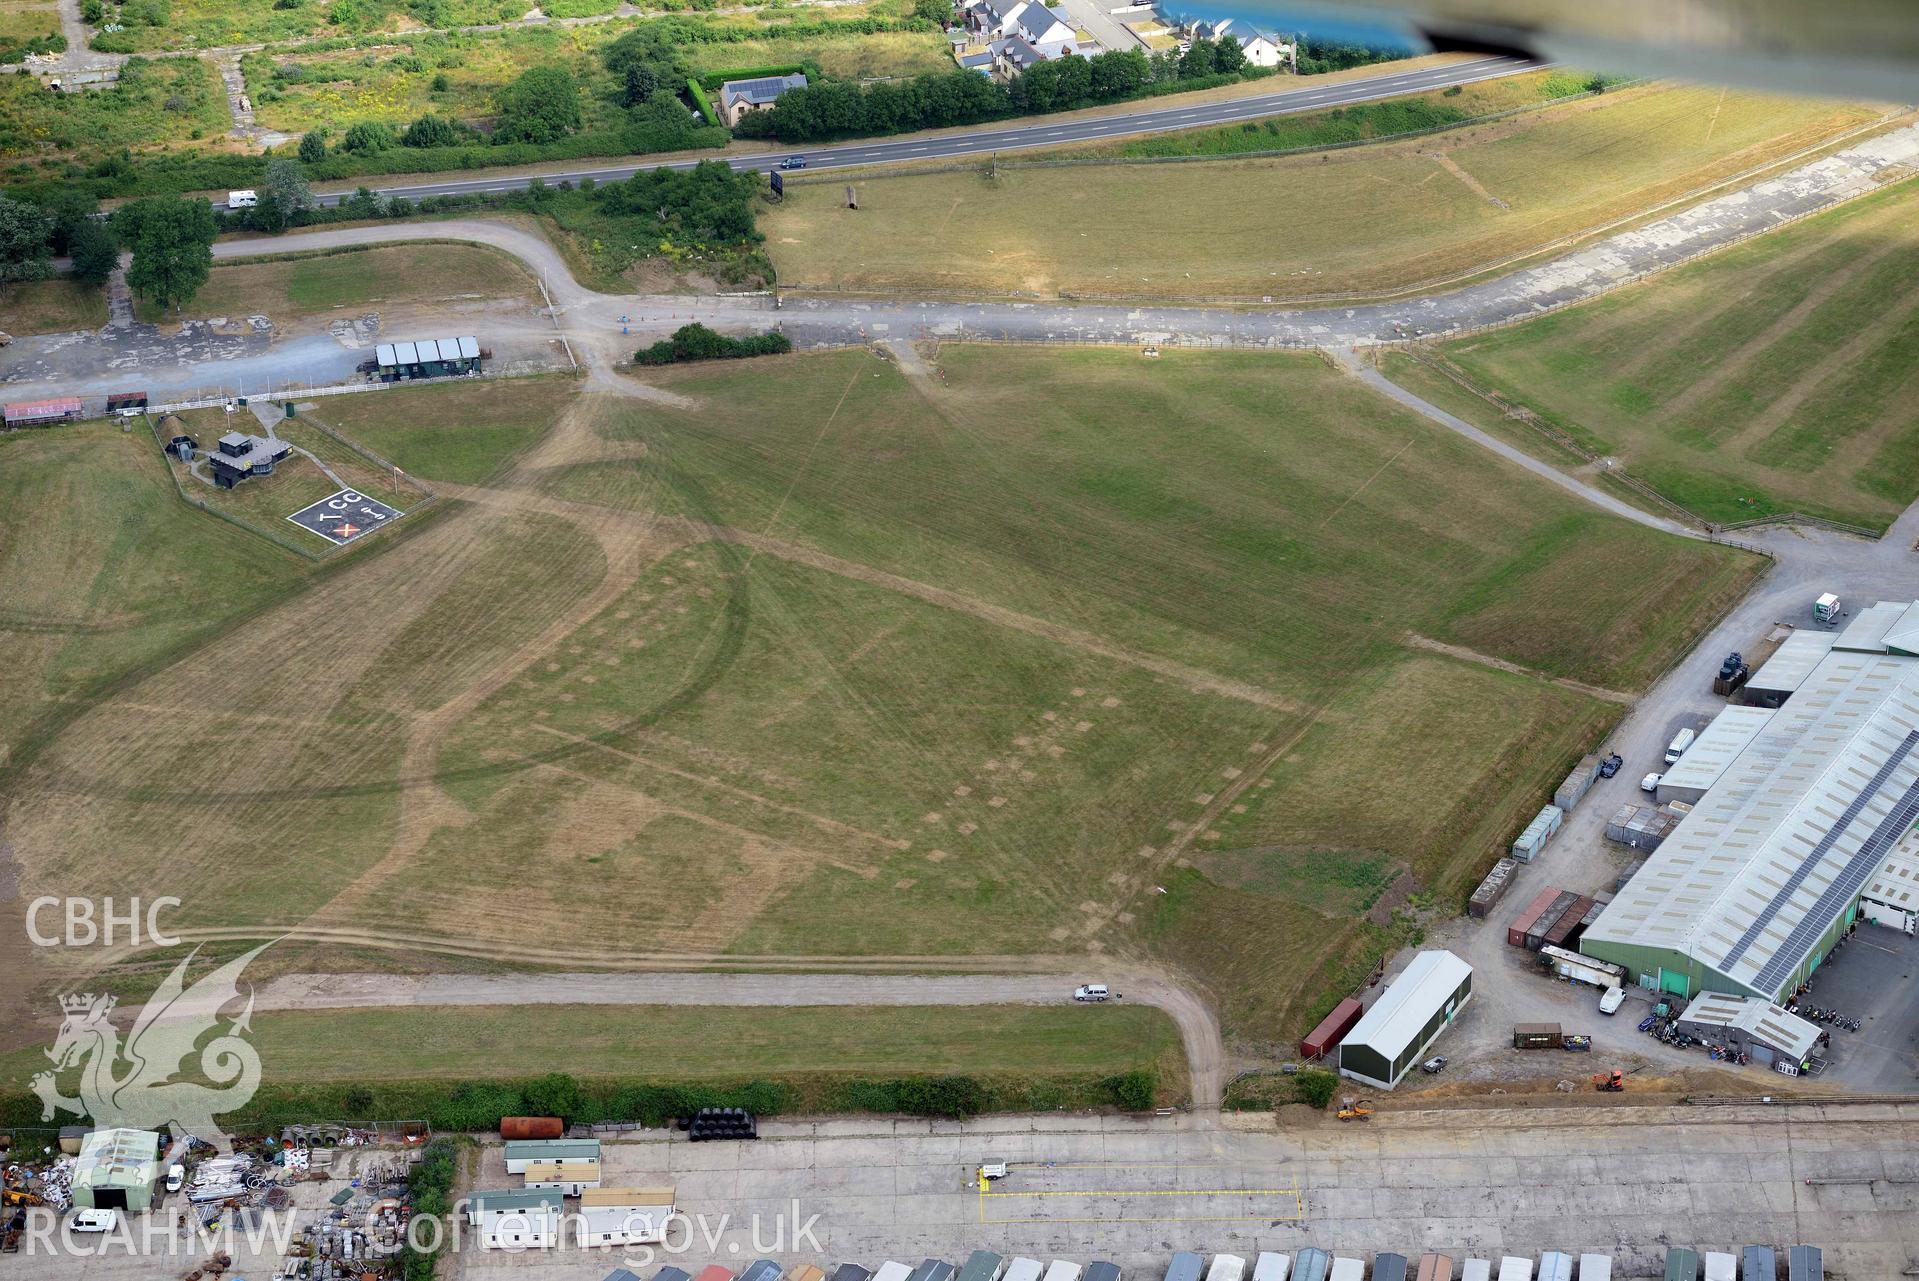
[183, 448]
[427, 358]
[240, 456]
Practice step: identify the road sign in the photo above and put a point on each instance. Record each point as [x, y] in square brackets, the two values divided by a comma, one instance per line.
[779, 183]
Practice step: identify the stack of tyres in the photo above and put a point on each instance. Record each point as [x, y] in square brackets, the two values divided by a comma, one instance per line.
[722, 1123]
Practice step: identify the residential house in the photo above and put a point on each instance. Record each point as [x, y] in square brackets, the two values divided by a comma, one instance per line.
[739, 97]
[1261, 50]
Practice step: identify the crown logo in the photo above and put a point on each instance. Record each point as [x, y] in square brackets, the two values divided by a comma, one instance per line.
[81, 1002]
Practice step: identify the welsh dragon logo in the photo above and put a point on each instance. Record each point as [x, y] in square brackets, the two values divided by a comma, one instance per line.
[133, 1085]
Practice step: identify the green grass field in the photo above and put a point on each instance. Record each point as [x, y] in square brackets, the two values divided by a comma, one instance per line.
[844, 662]
[296, 288]
[107, 571]
[456, 432]
[677, 1043]
[51, 307]
[1434, 208]
[1773, 377]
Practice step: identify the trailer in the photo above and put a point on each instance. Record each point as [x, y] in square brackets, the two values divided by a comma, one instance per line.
[1435, 1267]
[1582, 969]
[1805, 1263]
[1347, 1269]
[1186, 1266]
[980, 1265]
[1758, 1263]
[1023, 1269]
[1514, 1268]
[1476, 1270]
[1681, 1264]
[1555, 1265]
[1595, 1267]
[1389, 1267]
[1721, 1266]
[1226, 1267]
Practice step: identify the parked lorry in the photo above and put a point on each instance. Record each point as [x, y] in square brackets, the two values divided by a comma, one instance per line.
[1826, 608]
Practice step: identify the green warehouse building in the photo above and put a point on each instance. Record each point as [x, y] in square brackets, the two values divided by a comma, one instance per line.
[1799, 831]
[117, 1170]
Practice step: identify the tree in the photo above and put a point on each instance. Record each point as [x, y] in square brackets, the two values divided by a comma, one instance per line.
[313, 146]
[94, 253]
[555, 1094]
[1228, 57]
[430, 131]
[640, 82]
[1316, 1086]
[286, 182]
[1120, 73]
[542, 105]
[26, 236]
[366, 138]
[1198, 60]
[172, 244]
[940, 11]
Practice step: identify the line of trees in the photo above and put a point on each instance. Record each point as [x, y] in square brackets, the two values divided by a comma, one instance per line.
[842, 108]
[696, 342]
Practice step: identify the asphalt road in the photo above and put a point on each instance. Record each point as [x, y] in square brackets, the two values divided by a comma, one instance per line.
[1046, 132]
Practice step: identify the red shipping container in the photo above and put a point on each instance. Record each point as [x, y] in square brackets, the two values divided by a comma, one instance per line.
[1332, 1029]
[1516, 932]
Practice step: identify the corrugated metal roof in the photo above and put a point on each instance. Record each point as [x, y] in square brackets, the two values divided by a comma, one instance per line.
[1399, 1015]
[552, 1149]
[1765, 1022]
[384, 354]
[1867, 631]
[42, 408]
[1791, 831]
[637, 1198]
[1793, 661]
[1897, 881]
[406, 353]
[469, 348]
[507, 1202]
[1717, 746]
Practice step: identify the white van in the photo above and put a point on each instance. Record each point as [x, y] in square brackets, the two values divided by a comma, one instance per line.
[243, 199]
[1677, 748]
[1091, 992]
[94, 1221]
[1226, 1267]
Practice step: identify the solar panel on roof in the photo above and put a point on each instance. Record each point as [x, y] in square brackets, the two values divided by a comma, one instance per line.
[1806, 865]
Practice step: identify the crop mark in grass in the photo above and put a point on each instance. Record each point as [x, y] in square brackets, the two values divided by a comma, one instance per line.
[1380, 471]
[1460, 652]
[1843, 357]
[1735, 365]
[1190, 677]
[832, 825]
[1471, 183]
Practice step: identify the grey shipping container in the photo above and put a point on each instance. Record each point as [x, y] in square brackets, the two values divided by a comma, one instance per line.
[1681, 1264]
[1389, 1267]
[1758, 1263]
[1185, 1266]
[1805, 1263]
[1100, 1270]
[1312, 1264]
[1577, 783]
[850, 1272]
[1493, 888]
[932, 1270]
[1640, 827]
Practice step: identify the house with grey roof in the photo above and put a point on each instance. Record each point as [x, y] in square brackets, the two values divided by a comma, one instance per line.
[740, 97]
[1261, 49]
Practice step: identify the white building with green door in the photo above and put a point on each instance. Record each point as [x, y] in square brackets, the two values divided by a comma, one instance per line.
[1752, 889]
